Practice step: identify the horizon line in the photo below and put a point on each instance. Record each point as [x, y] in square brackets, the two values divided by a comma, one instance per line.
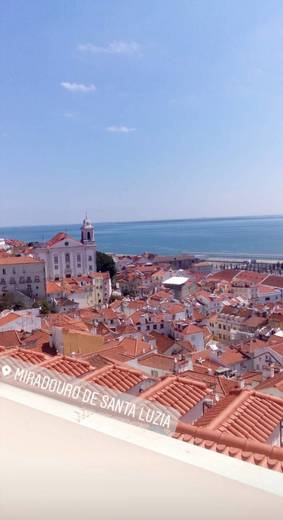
[232, 217]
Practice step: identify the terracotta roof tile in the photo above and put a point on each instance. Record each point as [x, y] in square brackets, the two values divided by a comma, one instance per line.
[162, 341]
[246, 414]
[57, 238]
[258, 453]
[177, 392]
[18, 260]
[116, 377]
[12, 316]
[158, 361]
[25, 355]
[67, 365]
[10, 338]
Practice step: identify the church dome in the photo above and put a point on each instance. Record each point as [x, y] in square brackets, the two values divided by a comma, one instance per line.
[87, 223]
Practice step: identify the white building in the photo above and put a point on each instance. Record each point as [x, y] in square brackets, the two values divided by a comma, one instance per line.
[66, 257]
[180, 285]
[22, 274]
[27, 320]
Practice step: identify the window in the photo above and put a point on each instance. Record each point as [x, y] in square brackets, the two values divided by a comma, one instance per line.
[90, 267]
[22, 279]
[90, 258]
[4, 271]
[66, 243]
[79, 258]
[56, 259]
[12, 280]
[67, 257]
[37, 279]
[28, 279]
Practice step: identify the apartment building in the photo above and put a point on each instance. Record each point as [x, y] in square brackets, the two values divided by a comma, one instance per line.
[22, 274]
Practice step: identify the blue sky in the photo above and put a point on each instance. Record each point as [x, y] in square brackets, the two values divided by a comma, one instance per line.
[137, 110]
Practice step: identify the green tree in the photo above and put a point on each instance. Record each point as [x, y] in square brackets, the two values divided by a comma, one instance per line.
[11, 301]
[105, 263]
[45, 307]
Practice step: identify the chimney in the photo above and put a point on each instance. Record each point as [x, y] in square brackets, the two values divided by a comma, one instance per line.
[268, 371]
[175, 368]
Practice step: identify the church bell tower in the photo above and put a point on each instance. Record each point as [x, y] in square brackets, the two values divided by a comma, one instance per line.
[87, 231]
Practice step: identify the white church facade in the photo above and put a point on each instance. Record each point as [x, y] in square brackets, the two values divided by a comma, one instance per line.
[66, 257]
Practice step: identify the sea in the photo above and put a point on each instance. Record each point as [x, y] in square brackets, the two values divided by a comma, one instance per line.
[249, 237]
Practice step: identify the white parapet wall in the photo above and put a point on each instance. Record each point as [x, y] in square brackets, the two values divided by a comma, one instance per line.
[58, 463]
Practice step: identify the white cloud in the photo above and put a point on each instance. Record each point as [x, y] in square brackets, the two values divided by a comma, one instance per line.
[115, 47]
[69, 115]
[77, 87]
[120, 129]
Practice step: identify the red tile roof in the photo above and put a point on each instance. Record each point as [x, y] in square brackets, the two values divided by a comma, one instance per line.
[272, 382]
[158, 361]
[16, 260]
[128, 347]
[12, 316]
[54, 288]
[177, 392]
[162, 341]
[247, 414]
[39, 339]
[68, 366]
[231, 357]
[227, 275]
[192, 329]
[10, 338]
[57, 238]
[219, 384]
[249, 277]
[117, 377]
[247, 450]
[274, 281]
[25, 355]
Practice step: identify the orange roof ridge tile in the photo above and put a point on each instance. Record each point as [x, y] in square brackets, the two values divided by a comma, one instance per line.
[170, 379]
[119, 366]
[240, 397]
[246, 445]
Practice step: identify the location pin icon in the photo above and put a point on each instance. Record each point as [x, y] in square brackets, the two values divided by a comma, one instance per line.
[6, 370]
